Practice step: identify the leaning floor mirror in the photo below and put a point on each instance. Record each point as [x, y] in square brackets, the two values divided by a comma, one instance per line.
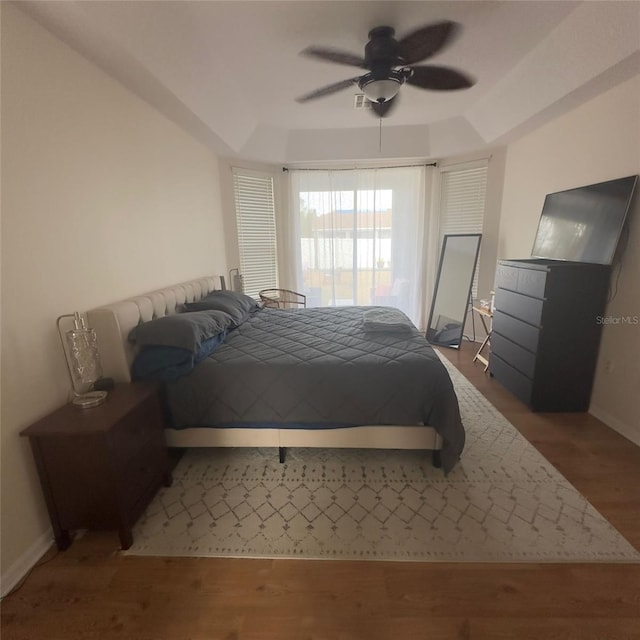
[452, 293]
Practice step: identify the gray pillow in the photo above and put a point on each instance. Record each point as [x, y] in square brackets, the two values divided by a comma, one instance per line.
[237, 305]
[182, 330]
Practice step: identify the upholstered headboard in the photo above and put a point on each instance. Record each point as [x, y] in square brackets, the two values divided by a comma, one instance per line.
[113, 322]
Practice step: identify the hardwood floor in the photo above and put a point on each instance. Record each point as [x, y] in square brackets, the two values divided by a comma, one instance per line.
[91, 592]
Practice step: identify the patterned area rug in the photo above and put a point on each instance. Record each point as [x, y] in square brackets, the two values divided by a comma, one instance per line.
[502, 503]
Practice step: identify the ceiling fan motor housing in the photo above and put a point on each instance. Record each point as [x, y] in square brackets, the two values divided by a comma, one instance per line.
[382, 49]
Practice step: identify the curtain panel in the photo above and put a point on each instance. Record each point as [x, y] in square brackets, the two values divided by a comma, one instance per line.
[363, 237]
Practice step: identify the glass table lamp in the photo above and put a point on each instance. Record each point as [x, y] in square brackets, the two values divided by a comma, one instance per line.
[80, 347]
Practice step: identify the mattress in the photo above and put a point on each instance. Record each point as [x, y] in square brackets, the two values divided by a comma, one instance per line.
[320, 368]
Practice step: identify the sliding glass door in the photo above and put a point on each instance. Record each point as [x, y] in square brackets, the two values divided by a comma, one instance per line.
[359, 236]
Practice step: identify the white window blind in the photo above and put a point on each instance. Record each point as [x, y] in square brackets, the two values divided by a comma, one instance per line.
[256, 222]
[462, 199]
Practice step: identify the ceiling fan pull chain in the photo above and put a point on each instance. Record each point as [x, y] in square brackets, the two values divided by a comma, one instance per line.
[380, 138]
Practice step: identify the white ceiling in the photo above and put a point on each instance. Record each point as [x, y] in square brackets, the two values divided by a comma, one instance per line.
[229, 72]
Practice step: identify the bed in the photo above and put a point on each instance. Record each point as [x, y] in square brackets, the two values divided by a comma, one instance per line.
[295, 378]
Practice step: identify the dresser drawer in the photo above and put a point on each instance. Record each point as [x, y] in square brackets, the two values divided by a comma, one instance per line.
[517, 331]
[507, 277]
[531, 282]
[512, 379]
[519, 306]
[513, 354]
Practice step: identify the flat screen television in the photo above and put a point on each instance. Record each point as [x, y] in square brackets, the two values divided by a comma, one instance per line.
[584, 224]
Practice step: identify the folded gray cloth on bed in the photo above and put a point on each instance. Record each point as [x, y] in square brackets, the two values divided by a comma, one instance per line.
[385, 319]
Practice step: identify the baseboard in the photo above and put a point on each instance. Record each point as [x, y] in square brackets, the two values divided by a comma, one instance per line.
[25, 562]
[617, 425]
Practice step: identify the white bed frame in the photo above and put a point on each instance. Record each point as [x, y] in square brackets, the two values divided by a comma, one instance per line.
[113, 323]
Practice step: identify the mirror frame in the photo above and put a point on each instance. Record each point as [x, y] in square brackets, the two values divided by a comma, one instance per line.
[469, 290]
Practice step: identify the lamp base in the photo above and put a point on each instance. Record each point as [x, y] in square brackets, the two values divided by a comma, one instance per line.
[88, 400]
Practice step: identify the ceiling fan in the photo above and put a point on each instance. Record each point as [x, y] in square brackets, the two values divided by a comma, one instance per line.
[391, 63]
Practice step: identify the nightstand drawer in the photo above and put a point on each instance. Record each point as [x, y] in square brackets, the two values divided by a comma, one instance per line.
[134, 431]
[139, 472]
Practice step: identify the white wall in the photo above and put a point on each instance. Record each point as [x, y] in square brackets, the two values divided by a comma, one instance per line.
[102, 198]
[598, 141]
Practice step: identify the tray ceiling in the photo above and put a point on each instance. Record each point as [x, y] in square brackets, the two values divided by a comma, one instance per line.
[229, 72]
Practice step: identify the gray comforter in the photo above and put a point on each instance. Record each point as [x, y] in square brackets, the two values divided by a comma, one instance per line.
[320, 368]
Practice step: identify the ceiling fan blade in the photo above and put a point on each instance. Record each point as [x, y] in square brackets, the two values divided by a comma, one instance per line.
[439, 78]
[426, 42]
[329, 89]
[382, 109]
[334, 55]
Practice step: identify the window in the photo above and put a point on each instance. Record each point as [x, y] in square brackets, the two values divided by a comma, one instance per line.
[462, 198]
[358, 236]
[256, 222]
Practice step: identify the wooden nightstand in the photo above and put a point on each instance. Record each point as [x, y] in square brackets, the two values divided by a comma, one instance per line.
[100, 467]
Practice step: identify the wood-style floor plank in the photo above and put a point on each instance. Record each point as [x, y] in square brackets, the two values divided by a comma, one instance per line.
[93, 592]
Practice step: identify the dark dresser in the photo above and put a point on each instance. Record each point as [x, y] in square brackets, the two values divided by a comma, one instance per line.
[546, 333]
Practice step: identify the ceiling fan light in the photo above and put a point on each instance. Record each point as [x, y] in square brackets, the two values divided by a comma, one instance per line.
[381, 90]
